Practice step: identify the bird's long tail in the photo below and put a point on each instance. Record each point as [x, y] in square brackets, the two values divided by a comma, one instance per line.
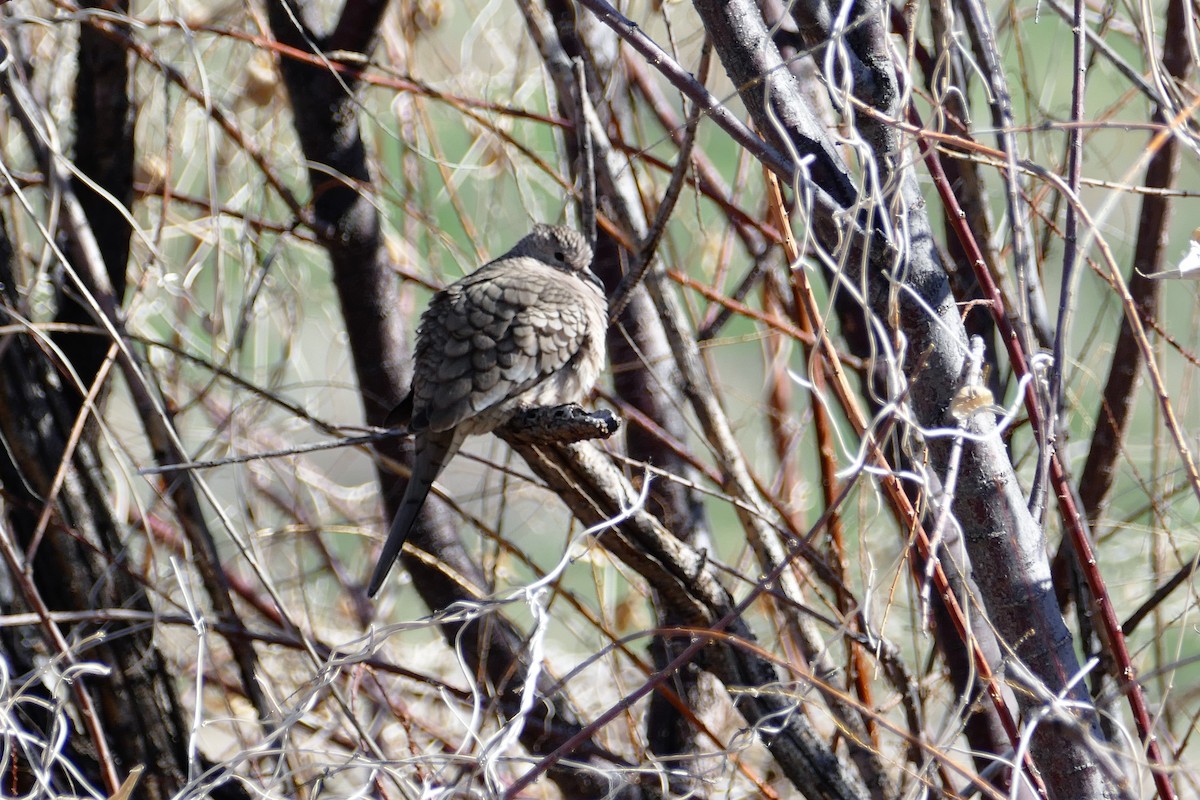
[433, 450]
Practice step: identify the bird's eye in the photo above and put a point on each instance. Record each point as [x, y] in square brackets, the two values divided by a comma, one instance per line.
[558, 256]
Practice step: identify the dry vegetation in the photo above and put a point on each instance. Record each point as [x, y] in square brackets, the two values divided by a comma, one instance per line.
[882, 287]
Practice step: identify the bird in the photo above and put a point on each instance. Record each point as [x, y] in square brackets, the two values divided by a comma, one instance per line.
[526, 329]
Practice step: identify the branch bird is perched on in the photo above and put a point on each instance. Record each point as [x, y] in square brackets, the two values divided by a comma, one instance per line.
[524, 330]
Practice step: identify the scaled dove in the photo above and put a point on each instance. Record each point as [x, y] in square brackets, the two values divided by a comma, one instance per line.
[524, 330]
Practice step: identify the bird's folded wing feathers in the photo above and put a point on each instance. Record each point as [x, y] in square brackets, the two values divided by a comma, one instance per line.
[494, 336]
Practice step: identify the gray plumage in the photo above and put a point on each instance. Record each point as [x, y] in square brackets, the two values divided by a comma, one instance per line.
[524, 330]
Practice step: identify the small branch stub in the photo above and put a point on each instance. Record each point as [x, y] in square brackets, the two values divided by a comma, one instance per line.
[565, 424]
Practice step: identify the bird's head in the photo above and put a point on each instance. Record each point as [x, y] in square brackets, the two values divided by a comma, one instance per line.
[558, 246]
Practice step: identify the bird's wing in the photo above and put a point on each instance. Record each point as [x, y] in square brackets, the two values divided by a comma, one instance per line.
[493, 336]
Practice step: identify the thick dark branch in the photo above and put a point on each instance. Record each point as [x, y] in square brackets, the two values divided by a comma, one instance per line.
[1112, 417]
[86, 273]
[912, 289]
[104, 119]
[326, 119]
[596, 491]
